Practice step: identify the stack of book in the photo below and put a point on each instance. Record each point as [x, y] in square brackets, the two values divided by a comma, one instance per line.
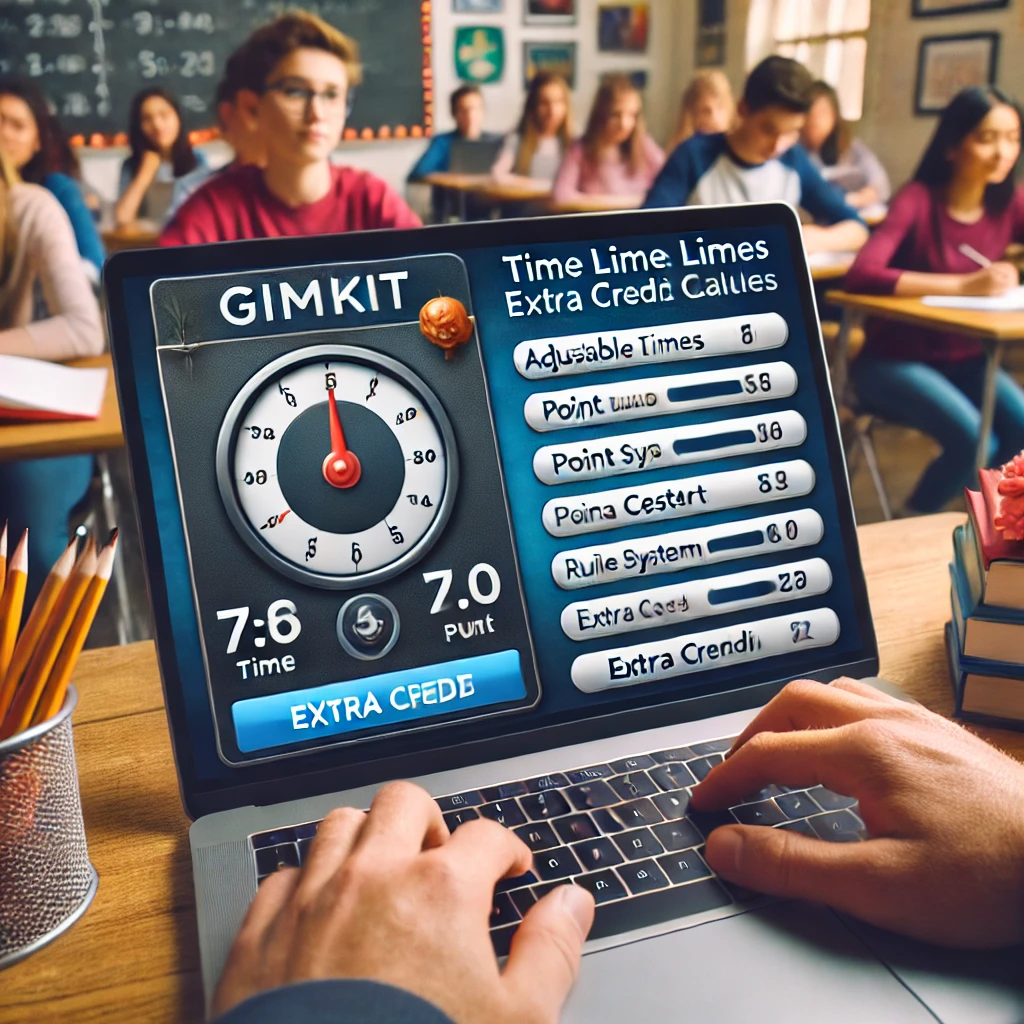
[985, 640]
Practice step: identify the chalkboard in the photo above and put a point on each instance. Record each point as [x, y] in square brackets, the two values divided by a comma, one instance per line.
[92, 56]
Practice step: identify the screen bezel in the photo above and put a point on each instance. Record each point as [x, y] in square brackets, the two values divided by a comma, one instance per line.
[292, 779]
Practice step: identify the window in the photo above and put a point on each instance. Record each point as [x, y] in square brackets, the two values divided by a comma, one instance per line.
[828, 36]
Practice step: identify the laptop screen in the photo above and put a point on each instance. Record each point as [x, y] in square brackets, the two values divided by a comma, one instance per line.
[404, 491]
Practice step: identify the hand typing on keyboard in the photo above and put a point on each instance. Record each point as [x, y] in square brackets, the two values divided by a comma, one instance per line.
[943, 809]
[393, 896]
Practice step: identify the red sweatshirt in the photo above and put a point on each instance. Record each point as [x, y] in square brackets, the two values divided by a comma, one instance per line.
[237, 204]
[918, 234]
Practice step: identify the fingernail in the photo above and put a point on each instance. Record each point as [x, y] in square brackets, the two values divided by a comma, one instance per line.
[579, 905]
[725, 848]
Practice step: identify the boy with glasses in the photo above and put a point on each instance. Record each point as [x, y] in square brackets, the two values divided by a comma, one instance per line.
[294, 79]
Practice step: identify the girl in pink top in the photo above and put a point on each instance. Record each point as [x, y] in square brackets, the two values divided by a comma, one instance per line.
[616, 161]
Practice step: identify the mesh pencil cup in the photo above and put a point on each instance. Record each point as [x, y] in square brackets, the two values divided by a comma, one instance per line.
[46, 879]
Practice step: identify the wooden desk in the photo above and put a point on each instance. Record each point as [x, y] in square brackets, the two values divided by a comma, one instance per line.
[70, 437]
[591, 204]
[830, 266]
[488, 189]
[141, 234]
[994, 330]
[133, 956]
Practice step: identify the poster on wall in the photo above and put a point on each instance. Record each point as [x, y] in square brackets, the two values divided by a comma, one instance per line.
[478, 6]
[479, 53]
[622, 28]
[549, 12]
[710, 48]
[947, 64]
[939, 8]
[556, 58]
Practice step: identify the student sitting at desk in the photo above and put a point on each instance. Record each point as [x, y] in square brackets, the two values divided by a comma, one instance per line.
[467, 107]
[160, 154]
[294, 85]
[759, 159]
[536, 148]
[962, 203]
[707, 107]
[36, 145]
[616, 160]
[38, 254]
[844, 161]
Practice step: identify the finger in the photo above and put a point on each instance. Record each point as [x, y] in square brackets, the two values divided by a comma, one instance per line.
[848, 876]
[866, 690]
[483, 853]
[836, 758]
[271, 897]
[403, 819]
[545, 955]
[334, 840]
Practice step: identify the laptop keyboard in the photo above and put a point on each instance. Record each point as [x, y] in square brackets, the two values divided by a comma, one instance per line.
[623, 830]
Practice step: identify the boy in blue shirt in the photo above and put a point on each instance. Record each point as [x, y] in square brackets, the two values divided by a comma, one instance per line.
[467, 106]
[759, 159]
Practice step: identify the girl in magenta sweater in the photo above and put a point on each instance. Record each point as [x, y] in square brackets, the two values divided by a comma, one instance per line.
[963, 194]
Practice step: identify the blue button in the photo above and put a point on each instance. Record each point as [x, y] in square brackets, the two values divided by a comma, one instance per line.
[389, 699]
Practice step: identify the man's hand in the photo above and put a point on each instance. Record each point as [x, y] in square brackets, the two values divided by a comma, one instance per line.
[945, 812]
[389, 896]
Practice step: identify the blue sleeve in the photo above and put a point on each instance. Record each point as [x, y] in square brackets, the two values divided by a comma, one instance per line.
[335, 1002]
[69, 195]
[126, 179]
[822, 201]
[678, 177]
[437, 157]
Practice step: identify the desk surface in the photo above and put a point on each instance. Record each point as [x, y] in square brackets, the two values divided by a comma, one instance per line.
[133, 956]
[973, 322]
[504, 190]
[45, 439]
[140, 234]
[831, 266]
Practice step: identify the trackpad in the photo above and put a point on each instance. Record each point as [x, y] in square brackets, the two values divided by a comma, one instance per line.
[788, 961]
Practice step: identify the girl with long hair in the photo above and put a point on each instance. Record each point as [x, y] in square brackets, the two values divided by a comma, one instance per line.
[537, 146]
[963, 201]
[707, 108]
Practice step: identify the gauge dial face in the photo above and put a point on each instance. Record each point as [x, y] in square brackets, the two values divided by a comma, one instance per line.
[337, 465]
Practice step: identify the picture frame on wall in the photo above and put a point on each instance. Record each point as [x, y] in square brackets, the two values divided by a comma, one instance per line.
[947, 64]
[940, 8]
[558, 58]
[479, 52]
[623, 28]
[638, 77]
[478, 6]
[549, 12]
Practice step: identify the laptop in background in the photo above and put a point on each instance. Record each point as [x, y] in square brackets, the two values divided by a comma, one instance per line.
[597, 515]
[474, 156]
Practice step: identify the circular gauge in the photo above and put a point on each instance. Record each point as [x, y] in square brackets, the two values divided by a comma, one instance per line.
[337, 466]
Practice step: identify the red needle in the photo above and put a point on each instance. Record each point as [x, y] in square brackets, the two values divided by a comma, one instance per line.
[341, 467]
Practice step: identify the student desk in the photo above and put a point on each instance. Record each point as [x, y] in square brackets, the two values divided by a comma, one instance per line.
[830, 266]
[994, 330]
[487, 189]
[133, 956]
[140, 234]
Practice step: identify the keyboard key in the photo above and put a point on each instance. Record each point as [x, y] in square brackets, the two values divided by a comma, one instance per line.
[713, 746]
[607, 822]
[307, 830]
[829, 801]
[522, 899]
[504, 812]
[501, 939]
[527, 878]
[658, 907]
[801, 825]
[558, 863]
[637, 812]
[673, 776]
[576, 827]
[643, 876]
[270, 858]
[540, 891]
[304, 845]
[597, 853]
[796, 805]
[632, 764]
[634, 785]
[545, 805]
[537, 837]
[556, 780]
[503, 911]
[504, 792]
[592, 795]
[763, 794]
[708, 821]
[673, 754]
[263, 839]
[458, 801]
[684, 867]
[837, 826]
[456, 818]
[765, 813]
[595, 771]
[678, 835]
[701, 766]
[605, 886]
[672, 805]
[638, 843]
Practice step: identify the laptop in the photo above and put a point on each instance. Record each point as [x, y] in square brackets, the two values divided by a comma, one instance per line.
[474, 156]
[536, 513]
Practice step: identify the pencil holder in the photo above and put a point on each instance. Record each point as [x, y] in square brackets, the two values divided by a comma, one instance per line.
[46, 879]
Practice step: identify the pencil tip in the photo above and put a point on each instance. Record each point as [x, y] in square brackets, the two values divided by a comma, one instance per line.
[113, 535]
[3, 542]
[19, 560]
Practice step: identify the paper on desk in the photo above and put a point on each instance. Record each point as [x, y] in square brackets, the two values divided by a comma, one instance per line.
[34, 389]
[829, 259]
[1005, 303]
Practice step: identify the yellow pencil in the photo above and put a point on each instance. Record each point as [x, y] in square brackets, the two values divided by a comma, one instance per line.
[60, 675]
[37, 619]
[19, 714]
[11, 603]
[3, 557]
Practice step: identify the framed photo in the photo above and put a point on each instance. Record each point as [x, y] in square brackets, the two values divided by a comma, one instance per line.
[478, 6]
[710, 51]
[947, 64]
[940, 8]
[558, 58]
[637, 77]
[479, 53]
[622, 28]
[549, 12]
